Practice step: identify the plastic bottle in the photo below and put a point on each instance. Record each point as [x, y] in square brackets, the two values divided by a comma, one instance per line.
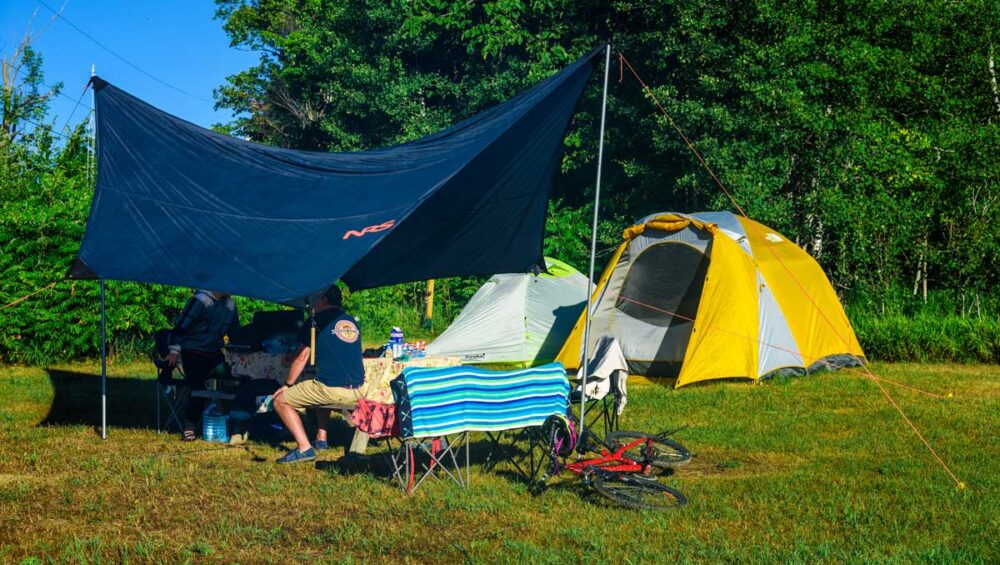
[396, 341]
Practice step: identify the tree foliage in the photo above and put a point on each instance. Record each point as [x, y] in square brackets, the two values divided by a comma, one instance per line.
[868, 132]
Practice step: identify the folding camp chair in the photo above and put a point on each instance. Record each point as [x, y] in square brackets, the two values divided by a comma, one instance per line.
[524, 450]
[433, 455]
[437, 457]
[175, 392]
[607, 375]
[171, 391]
[604, 407]
[437, 408]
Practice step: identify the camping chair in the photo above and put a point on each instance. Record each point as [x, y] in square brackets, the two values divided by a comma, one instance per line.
[603, 406]
[437, 408]
[524, 450]
[417, 459]
[172, 391]
[175, 392]
[424, 452]
[607, 376]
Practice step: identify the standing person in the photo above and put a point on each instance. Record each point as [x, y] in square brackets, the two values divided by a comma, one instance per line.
[340, 374]
[197, 340]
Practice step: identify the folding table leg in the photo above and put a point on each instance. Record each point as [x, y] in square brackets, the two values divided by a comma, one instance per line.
[159, 391]
[359, 445]
[447, 460]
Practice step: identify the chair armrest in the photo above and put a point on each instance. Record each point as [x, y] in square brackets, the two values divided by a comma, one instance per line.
[213, 394]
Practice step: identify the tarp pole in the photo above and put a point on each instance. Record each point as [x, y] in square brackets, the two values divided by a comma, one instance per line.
[593, 247]
[104, 323]
[104, 369]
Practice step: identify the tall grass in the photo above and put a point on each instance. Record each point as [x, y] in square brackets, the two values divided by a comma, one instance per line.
[947, 326]
[926, 337]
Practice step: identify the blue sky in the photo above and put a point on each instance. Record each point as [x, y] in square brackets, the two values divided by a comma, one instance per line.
[176, 41]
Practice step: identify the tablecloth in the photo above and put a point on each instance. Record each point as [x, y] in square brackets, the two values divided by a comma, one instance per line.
[378, 370]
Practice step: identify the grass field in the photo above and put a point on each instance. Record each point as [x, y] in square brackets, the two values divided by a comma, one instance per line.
[796, 470]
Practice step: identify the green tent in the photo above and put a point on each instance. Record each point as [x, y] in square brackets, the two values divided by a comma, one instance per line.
[516, 320]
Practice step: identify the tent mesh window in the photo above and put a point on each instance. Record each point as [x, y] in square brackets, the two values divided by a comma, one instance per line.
[664, 284]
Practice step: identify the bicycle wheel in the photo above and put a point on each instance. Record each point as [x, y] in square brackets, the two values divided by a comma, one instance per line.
[633, 491]
[551, 442]
[658, 452]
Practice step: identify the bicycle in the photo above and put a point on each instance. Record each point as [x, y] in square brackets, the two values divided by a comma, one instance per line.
[625, 468]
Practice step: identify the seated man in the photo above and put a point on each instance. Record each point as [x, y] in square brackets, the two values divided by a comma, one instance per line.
[340, 374]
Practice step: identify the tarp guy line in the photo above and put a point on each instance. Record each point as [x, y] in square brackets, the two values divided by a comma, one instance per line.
[623, 61]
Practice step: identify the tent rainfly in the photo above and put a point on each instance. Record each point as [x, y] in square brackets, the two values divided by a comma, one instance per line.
[516, 320]
[712, 295]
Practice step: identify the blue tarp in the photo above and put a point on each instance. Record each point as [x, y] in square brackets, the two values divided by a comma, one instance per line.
[182, 205]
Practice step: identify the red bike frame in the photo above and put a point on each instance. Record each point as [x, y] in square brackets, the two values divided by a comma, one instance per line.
[615, 462]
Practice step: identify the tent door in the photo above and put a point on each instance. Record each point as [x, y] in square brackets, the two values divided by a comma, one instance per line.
[658, 303]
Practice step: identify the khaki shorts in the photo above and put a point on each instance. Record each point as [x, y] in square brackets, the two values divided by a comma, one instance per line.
[312, 393]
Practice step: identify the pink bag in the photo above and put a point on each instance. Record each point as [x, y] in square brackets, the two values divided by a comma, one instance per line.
[377, 419]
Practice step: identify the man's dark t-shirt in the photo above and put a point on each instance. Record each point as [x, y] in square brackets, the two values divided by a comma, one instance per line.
[338, 349]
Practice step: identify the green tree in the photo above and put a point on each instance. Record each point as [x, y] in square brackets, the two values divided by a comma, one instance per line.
[866, 131]
[46, 185]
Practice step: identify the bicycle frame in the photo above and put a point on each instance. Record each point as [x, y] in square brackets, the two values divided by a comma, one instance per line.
[615, 462]
[613, 474]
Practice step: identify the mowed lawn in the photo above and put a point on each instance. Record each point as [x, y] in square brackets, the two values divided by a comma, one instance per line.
[809, 469]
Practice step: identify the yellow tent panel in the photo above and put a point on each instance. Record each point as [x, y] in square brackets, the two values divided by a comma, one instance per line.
[724, 339]
[809, 304]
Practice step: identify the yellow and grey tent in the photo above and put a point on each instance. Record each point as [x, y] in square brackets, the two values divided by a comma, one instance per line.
[711, 296]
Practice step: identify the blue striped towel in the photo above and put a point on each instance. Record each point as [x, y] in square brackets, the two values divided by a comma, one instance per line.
[440, 401]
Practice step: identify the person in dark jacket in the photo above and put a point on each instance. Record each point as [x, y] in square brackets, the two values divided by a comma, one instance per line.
[197, 340]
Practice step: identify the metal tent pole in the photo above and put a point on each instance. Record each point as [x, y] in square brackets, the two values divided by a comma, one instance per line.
[593, 247]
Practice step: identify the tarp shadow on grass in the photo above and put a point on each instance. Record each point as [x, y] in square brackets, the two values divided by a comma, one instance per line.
[378, 462]
[76, 400]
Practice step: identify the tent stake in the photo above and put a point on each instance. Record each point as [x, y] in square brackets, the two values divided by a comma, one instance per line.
[593, 248]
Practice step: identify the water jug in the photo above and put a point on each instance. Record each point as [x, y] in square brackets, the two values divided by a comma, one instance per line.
[214, 425]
